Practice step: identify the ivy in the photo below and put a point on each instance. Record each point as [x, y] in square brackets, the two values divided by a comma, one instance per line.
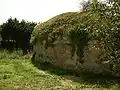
[78, 37]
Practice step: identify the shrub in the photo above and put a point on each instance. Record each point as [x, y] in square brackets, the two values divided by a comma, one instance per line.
[16, 34]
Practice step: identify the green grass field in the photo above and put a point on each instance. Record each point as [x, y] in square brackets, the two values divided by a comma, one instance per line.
[18, 73]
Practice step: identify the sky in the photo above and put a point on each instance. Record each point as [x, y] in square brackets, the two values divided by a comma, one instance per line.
[35, 10]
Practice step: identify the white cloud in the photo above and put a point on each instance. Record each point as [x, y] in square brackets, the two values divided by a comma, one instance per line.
[35, 10]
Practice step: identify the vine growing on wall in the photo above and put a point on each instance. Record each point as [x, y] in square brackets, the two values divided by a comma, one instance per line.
[79, 37]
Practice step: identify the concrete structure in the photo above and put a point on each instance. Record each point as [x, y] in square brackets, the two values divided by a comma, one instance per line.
[61, 56]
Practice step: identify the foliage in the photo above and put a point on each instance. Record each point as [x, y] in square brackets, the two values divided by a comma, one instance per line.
[78, 38]
[108, 33]
[16, 34]
[93, 5]
[57, 25]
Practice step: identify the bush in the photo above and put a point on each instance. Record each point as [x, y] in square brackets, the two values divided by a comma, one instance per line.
[16, 34]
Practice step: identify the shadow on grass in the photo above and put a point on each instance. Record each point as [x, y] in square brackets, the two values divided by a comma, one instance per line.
[87, 78]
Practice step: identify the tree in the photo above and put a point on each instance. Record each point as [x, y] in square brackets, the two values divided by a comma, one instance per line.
[108, 32]
[85, 5]
[17, 34]
[104, 24]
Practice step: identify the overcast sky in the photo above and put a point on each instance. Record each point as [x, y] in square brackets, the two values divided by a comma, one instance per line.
[35, 10]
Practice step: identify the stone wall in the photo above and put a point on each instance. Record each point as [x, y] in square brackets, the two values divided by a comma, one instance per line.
[61, 56]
